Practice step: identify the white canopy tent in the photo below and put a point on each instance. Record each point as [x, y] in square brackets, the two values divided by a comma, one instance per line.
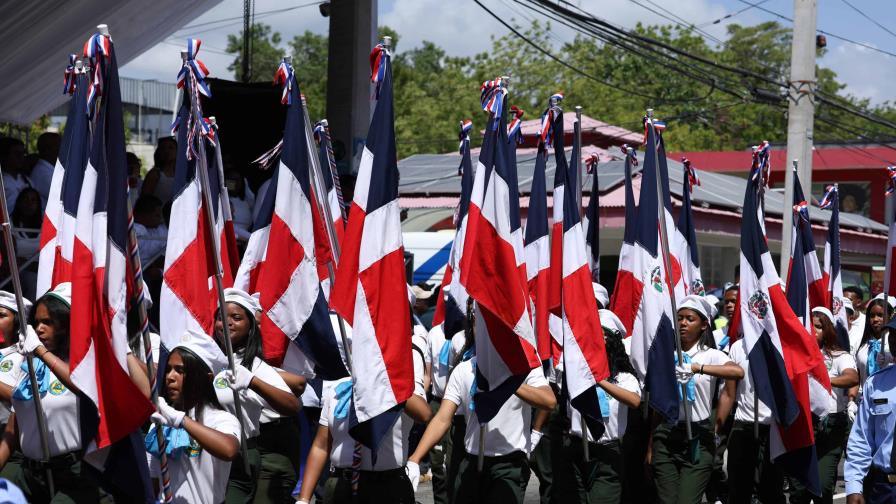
[39, 36]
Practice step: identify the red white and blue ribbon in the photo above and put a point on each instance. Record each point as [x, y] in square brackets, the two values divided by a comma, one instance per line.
[828, 199]
[196, 72]
[196, 68]
[761, 165]
[691, 174]
[210, 130]
[284, 77]
[629, 153]
[658, 126]
[267, 159]
[378, 59]
[97, 50]
[591, 163]
[515, 123]
[464, 136]
[491, 97]
[802, 209]
[68, 82]
[891, 180]
[547, 119]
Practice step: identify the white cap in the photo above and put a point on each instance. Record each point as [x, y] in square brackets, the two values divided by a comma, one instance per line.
[609, 320]
[713, 304]
[62, 292]
[421, 293]
[824, 311]
[600, 294]
[890, 299]
[697, 303]
[242, 298]
[8, 301]
[847, 304]
[205, 347]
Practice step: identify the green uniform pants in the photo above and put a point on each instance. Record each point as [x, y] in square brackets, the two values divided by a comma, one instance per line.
[438, 457]
[455, 453]
[595, 481]
[278, 445]
[70, 481]
[502, 480]
[241, 485]
[374, 487]
[751, 471]
[679, 479]
[542, 458]
[636, 487]
[13, 466]
[830, 432]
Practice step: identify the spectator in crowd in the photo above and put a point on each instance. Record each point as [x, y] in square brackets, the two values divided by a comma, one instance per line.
[12, 159]
[149, 224]
[857, 317]
[42, 174]
[242, 201]
[27, 218]
[135, 182]
[159, 181]
[424, 307]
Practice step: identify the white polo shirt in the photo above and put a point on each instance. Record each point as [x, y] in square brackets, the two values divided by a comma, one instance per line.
[509, 430]
[856, 331]
[705, 385]
[62, 412]
[837, 363]
[441, 372]
[884, 359]
[197, 475]
[745, 390]
[616, 423]
[251, 402]
[10, 374]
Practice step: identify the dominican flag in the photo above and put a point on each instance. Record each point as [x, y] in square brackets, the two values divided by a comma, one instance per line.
[230, 257]
[803, 250]
[370, 291]
[57, 234]
[591, 222]
[686, 239]
[833, 284]
[99, 337]
[890, 279]
[584, 355]
[564, 181]
[782, 352]
[493, 267]
[538, 254]
[675, 238]
[654, 329]
[626, 299]
[331, 179]
[188, 297]
[294, 309]
[454, 295]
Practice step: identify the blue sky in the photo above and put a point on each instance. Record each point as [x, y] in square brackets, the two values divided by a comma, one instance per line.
[462, 28]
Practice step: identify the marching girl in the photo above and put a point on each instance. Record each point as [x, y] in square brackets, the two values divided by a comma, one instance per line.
[258, 384]
[201, 437]
[507, 436]
[679, 476]
[388, 480]
[10, 367]
[873, 353]
[598, 479]
[831, 430]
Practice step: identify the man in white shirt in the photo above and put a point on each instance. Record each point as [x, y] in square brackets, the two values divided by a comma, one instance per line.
[12, 159]
[42, 174]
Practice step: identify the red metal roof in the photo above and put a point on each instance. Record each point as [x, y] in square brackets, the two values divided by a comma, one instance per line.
[594, 132]
[823, 158]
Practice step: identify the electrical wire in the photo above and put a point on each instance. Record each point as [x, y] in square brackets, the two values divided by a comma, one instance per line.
[729, 16]
[240, 18]
[869, 18]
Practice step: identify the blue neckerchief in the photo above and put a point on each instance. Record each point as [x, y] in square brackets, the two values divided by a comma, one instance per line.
[874, 348]
[445, 353]
[723, 342]
[41, 372]
[691, 387]
[176, 439]
[604, 400]
[470, 353]
[343, 399]
[473, 387]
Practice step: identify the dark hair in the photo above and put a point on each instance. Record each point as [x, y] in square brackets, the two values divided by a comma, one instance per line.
[60, 314]
[729, 287]
[47, 141]
[829, 339]
[617, 358]
[866, 334]
[706, 339]
[18, 216]
[157, 154]
[254, 346]
[469, 332]
[6, 144]
[146, 203]
[855, 289]
[197, 388]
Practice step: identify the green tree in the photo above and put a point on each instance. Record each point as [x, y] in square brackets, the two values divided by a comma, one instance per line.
[309, 59]
[265, 52]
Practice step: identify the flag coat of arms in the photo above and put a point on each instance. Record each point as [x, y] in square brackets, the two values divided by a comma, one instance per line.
[654, 328]
[370, 290]
[493, 267]
[782, 352]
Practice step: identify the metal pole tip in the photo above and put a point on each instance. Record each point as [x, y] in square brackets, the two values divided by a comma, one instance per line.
[387, 42]
[183, 55]
[103, 29]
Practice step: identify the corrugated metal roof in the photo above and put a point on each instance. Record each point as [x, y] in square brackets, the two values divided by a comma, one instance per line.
[148, 93]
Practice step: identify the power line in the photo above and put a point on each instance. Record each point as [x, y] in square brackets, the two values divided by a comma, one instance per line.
[675, 19]
[729, 16]
[869, 18]
[240, 18]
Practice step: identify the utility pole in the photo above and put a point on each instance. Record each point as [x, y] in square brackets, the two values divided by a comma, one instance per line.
[800, 111]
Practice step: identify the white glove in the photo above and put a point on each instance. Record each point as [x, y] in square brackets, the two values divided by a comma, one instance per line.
[851, 409]
[534, 439]
[31, 342]
[166, 415]
[413, 470]
[683, 373]
[302, 502]
[240, 378]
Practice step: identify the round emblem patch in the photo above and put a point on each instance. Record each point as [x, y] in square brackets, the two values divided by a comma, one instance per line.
[221, 382]
[194, 449]
[5, 366]
[838, 305]
[758, 305]
[57, 388]
[656, 279]
[697, 288]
